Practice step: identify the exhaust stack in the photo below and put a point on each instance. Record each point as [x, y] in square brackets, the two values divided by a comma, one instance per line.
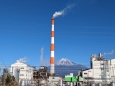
[52, 69]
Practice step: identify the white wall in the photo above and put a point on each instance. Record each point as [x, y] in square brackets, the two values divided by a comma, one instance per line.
[26, 71]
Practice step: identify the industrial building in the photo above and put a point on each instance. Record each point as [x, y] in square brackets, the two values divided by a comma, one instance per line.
[25, 71]
[40, 73]
[102, 70]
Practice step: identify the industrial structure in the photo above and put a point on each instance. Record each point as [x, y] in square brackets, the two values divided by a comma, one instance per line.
[52, 69]
[40, 73]
[73, 80]
[102, 70]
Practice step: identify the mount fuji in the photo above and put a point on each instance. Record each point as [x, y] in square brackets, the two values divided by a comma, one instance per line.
[65, 62]
[64, 67]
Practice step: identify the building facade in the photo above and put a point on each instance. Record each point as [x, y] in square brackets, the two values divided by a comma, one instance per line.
[25, 71]
[102, 70]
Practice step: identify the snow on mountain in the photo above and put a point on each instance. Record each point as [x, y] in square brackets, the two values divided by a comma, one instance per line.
[65, 62]
[70, 67]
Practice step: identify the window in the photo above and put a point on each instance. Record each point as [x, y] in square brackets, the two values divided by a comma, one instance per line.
[102, 68]
[102, 63]
[22, 68]
[85, 73]
[21, 74]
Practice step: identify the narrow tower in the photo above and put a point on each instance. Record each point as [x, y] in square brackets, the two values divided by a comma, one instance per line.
[52, 70]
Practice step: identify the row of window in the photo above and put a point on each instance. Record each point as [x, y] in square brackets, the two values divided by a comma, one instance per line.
[22, 75]
[99, 75]
[22, 68]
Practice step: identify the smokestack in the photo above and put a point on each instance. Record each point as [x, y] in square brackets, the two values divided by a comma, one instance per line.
[56, 14]
[52, 69]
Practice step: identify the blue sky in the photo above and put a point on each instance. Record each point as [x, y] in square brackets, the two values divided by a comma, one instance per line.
[25, 27]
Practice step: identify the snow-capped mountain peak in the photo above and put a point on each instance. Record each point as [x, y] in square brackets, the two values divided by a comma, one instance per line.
[65, 62]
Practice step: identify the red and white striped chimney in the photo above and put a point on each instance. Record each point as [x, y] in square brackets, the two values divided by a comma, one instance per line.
[52, 69]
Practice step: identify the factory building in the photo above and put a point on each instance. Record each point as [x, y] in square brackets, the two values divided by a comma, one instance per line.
[41, 73]
[102, 70]
[25, 71]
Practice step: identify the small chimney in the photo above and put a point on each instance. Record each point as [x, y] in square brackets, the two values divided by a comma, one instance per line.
[100, 55]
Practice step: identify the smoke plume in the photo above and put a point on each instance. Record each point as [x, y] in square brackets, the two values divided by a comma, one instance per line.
[22, 60]
[45, 62]
[62, 12]
[109, 53]
[41, 56]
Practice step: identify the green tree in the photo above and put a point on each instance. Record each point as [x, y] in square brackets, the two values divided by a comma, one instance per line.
[8, 79]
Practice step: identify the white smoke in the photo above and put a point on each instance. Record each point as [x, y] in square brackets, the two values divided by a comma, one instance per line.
[109, 53]
[45, 62]
[22, 60]
[62, 12]
[59, 13]
[41, 56]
